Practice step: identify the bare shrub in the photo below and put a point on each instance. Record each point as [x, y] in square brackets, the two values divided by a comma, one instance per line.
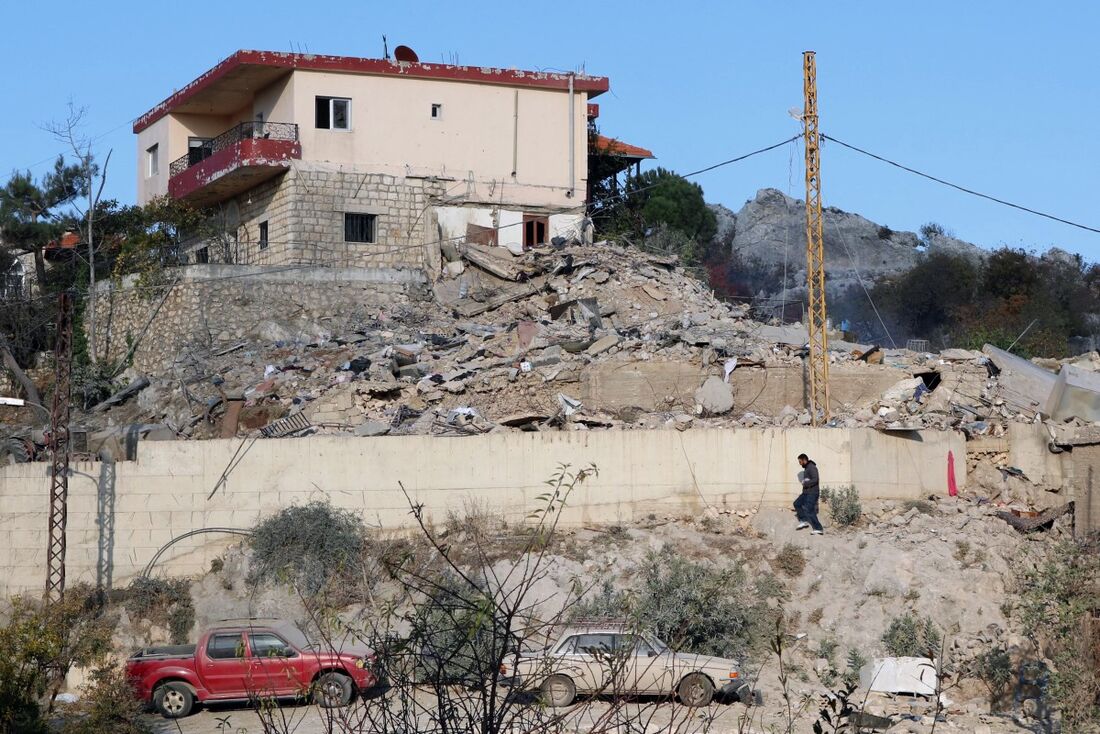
[791, 560]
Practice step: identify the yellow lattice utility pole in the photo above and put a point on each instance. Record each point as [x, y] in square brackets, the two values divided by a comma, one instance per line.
[815, 251]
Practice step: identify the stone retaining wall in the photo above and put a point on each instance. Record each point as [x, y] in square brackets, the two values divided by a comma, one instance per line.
[213, 306]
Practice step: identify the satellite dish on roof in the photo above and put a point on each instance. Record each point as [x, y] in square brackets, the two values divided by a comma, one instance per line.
[404, 53]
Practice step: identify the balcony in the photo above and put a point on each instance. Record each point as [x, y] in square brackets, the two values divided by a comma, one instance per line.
[235, 161]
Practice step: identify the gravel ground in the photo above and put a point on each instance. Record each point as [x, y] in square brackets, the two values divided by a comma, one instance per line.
[643, 716]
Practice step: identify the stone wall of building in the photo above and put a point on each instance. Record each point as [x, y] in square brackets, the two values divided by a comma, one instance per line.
[304, 210]
[207, 307]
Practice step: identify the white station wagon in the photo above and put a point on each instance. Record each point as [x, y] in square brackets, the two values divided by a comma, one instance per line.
[613, 660]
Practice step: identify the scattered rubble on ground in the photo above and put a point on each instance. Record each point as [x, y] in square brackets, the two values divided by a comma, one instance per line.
[577, 337]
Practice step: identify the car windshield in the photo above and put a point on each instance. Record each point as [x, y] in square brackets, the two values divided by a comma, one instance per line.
[658, 645]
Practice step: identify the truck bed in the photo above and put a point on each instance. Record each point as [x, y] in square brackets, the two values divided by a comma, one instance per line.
[162, 652]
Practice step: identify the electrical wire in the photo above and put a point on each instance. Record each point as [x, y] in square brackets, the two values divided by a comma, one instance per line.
[964, 189]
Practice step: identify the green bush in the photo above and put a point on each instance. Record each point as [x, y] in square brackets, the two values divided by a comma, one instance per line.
[691, 605]
[164, 602]
[41, 643]
[994, 668]
[913, 637]
[308, 546]
[107, 705]
[844, 505]
[1057, 595]
[457, 635]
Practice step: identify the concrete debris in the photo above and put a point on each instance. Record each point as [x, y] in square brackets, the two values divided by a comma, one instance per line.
[635, 341]
[914, 676]
[714, 397]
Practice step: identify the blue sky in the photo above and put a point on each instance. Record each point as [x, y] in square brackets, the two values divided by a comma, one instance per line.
[1001, 97]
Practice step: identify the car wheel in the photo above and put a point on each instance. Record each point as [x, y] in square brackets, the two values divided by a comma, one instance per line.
[173, 700]
[13, 451]
[332, 690]
[695, 690]
[558, 691]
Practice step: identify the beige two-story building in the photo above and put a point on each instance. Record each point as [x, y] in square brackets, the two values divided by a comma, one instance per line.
[330, 160]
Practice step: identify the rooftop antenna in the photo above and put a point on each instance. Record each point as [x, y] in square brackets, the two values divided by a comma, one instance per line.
[385, 48]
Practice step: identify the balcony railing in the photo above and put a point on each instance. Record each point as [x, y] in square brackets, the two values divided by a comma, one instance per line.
[245, 131]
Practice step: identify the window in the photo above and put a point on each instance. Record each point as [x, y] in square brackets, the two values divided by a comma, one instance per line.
[359, 227]
[535, 228]
[263, 235]
[634, 645]
[437, 111]
[267, 645]
[333, 113]
[202, 255]
[199, 149]
[589, 644]
[223, 647]
[152, 155]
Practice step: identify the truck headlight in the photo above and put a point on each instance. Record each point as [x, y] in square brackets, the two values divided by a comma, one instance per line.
[360, 663]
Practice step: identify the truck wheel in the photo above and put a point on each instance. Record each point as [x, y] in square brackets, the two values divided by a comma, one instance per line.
[13, 451]
[695, 690]
[332, 690]
[558, 691]
[173, 700]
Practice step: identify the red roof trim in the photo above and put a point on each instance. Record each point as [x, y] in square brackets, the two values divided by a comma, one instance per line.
[594, 85]
[611, 146]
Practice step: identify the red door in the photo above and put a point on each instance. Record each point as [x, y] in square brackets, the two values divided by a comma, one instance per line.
[277, 669]
[224, 667]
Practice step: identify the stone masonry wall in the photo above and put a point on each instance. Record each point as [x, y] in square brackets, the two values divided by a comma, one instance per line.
[304, 210]
[213, 306]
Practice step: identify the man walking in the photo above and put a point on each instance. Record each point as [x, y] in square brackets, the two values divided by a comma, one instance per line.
[806, 504]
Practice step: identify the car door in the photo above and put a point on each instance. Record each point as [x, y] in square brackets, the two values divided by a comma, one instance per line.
[225, 670]
[585, 659]
[642, 668]
[276, 668]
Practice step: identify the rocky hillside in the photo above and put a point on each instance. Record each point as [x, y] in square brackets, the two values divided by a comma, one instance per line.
[771, 230]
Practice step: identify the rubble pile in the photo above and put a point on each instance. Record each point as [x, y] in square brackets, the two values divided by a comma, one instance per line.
[567, 336]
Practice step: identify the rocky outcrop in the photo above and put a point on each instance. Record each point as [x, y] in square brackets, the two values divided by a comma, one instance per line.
[771, 229]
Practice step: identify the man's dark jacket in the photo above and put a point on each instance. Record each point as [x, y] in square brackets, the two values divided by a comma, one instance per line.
[809, 477]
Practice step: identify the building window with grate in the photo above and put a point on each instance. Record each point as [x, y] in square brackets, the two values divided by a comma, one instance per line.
[263, 235]
[360, 227]
[333, 113]
[535, 228]
[202, 255]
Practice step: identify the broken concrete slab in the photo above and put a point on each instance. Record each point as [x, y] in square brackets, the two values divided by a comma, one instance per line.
[1076, 394]
[371, 428]
[1022, 385]
[649, 386]
[602, 345]
[714, 397]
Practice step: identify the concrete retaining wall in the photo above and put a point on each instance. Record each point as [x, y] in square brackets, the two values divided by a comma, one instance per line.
[117, 523]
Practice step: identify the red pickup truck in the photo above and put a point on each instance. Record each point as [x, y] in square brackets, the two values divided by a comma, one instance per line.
[245, 660]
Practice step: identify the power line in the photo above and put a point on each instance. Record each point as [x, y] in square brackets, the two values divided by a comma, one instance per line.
[972, 192]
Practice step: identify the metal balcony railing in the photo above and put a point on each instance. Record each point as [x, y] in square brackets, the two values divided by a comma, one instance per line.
[245, 131]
